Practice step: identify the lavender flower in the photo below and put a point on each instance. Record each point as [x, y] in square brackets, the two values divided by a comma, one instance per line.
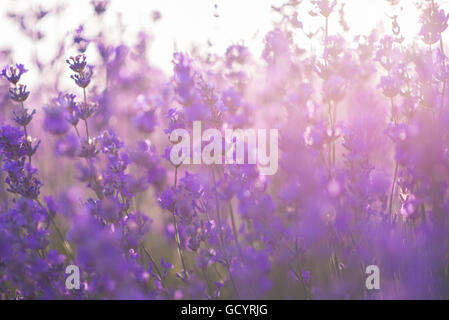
[434, 22]
[56, 120]
[13, 73]
[355, 187]
[326, 7]
[77, 63]
[22, 117]
[82, 79]
[86, 110]
[100, 6]
[19, 93]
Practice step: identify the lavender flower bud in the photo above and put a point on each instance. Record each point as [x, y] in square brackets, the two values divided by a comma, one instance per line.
[22, 117]
[19, 93]
[77, 63]
[14, 74]
[83, 79]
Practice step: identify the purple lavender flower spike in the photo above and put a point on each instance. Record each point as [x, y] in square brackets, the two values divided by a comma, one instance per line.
[83, 79]
[77, 63]
[13, 73]
[19, 93]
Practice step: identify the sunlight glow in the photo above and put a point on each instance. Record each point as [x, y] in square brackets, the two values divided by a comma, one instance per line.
[206, 24]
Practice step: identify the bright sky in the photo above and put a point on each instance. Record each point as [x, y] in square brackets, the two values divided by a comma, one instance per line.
[185, 23]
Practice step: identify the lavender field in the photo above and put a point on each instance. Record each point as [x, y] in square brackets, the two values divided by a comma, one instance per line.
[93, 204]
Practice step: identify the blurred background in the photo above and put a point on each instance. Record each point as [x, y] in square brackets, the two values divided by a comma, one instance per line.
[264, 60]
[210, 25]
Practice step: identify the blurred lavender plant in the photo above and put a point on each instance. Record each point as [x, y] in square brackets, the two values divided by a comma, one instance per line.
[364, 161]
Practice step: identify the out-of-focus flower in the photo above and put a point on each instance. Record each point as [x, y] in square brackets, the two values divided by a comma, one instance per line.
[390, 86]
[434, 22]
[67, 146]
[145, 121]
[11, 142]
[135, 227]
[175, 120]
[334, 89]
[409, 206]
[387, 54]
[66, 102]
[14, 148]
[55, 120]
[88, 149]
[252, 273]
[100, 6]
[316, 136]
[184, 79]
[79, 40]
[86, 110]
[358, 201]
[442, 70]
[236, 55]
[306, 275]
[156, 15]
[232, 99]
[334, 47]
[22, 117]
[326, 7]
[277, 46]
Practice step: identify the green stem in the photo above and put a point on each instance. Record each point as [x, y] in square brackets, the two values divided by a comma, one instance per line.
[326, 30]
[444, 71]
[26, 136]
[64, 243]
[209, 288]
[393, 112]
[390, 206]
[220, 236]
[177, 238]
[234, 227]
[147, 252]
[77, 132]
[87, 131]
[334, 121]
[84, 94]
[85, 120]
